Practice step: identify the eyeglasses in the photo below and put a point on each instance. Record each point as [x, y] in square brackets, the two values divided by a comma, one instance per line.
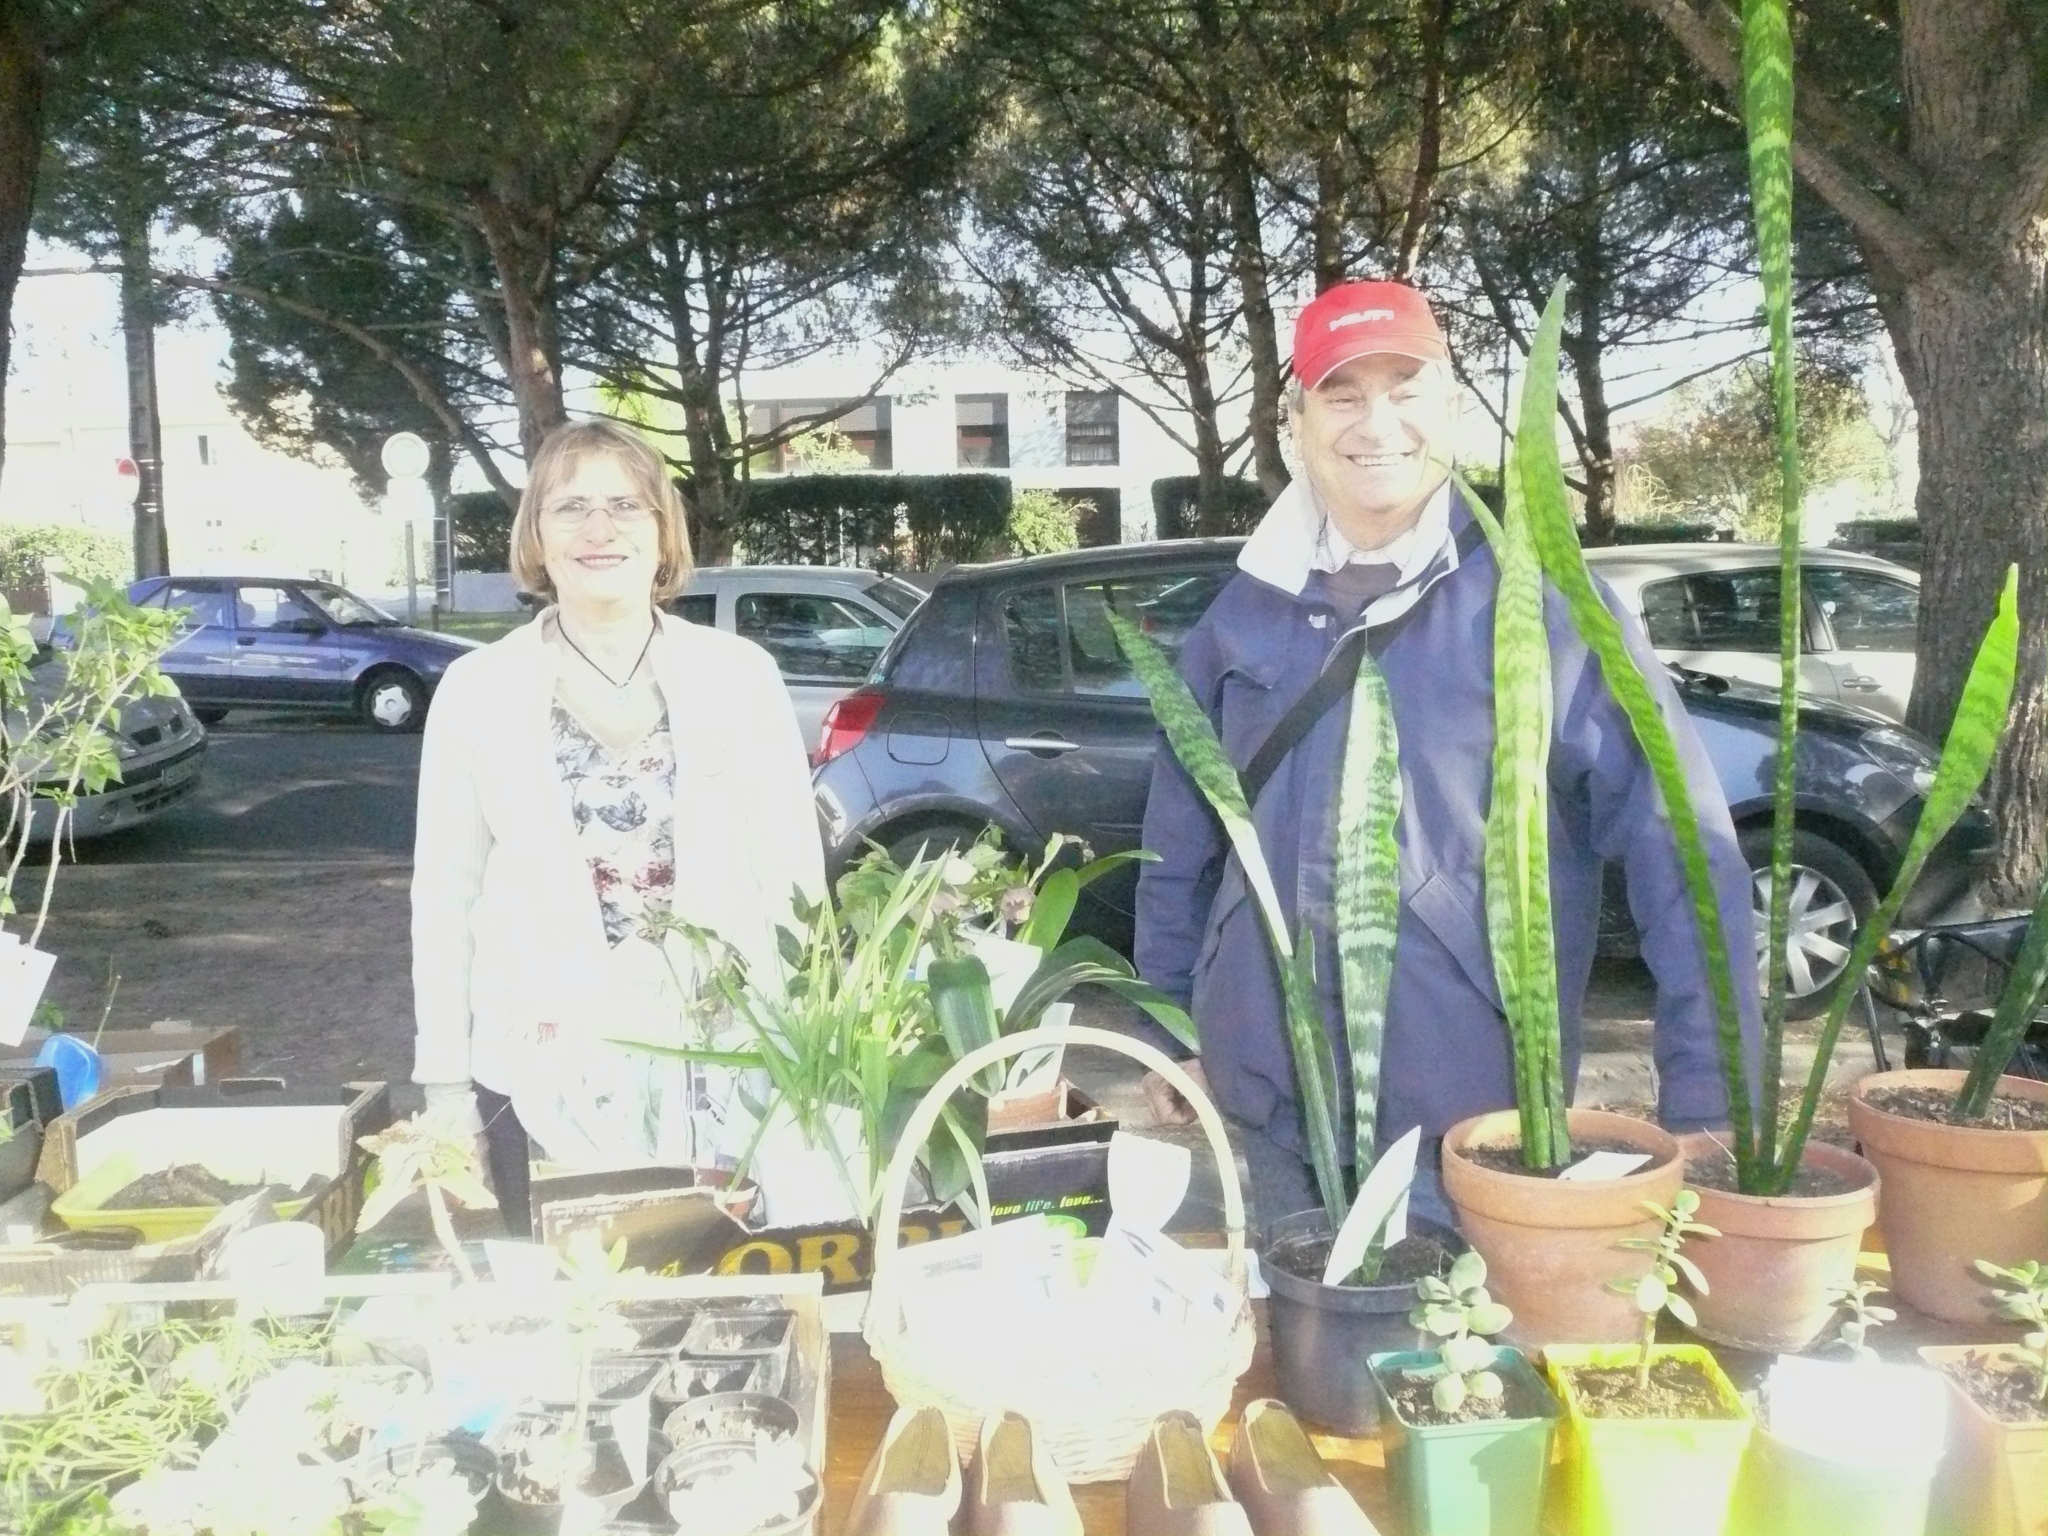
[624, 511]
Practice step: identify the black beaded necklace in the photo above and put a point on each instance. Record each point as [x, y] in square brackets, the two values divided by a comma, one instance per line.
[618, 683]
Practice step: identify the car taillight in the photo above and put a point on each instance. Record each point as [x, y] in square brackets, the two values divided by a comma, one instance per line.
[846, 722]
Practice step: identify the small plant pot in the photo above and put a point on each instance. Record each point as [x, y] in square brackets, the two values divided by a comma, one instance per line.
[687, 1483]
[380, 1470]
[1953, 1194]
[1994, 1475]
[731, 1416]
[1779, 1259]
[1550, 1244]
[1790, 1491]
[621, 1378]
[1480, 1479]
[609, 1483]
[1324, 1334]
[1644, 1477]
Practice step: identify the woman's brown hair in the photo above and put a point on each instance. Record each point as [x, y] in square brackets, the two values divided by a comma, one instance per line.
[561, 451]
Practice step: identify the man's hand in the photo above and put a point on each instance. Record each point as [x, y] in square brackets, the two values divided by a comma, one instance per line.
[1168, 1107]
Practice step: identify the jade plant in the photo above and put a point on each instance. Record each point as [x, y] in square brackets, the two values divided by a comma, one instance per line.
[1367, 896]
[1862, 1315]
[2022, 1292]
[1656, 1292]
[1458, 1310]
[434, 1151]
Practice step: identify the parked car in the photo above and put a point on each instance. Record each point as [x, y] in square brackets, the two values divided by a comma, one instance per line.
[824, 625]
[1004, 699]
[283, 643]
[1714, 607]
[160, 748]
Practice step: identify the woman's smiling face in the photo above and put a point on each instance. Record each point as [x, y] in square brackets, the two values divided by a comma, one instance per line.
[599, 536]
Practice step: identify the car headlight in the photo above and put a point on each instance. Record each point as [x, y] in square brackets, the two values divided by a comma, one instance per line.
[1904, 756]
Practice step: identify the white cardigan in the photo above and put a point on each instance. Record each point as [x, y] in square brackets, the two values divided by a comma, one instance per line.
[506, 929]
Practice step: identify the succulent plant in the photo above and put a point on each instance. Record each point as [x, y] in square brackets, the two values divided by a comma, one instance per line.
[1458, 1309]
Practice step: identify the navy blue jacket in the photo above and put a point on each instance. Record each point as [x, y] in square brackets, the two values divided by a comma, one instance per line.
[1447, 1050]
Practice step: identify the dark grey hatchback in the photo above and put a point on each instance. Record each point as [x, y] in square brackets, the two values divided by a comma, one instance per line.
[1004, 699]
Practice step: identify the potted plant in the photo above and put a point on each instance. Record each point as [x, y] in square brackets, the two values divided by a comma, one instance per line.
[1654, 1434]
[1964, 1155]
[1550, 1241]
[1468, 1424]
[1341, 1276]
[436, 1153]
[1994, 1479]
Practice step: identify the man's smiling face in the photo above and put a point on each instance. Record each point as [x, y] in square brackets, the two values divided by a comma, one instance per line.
[1375, 440]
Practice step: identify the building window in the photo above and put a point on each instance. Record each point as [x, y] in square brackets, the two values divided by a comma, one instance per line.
[1091, 426]
[205, 450]
[865, 429]
[983, 424]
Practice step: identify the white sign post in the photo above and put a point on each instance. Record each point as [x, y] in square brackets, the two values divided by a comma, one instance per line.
[406, 457]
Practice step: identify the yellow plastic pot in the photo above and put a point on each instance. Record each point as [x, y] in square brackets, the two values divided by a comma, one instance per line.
[1644, 1477]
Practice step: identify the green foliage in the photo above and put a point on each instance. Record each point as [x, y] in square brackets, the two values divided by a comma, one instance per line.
[480, 525]
[914, 522]
[2026, 987]
[1195, 744]
[1863, 1315]
[2023, 1297]
[1367, 897]
[434, 1152]
[1655, 1291]
[1458, 1309]
[1176, 509]
[1041, 522]
[29, 553]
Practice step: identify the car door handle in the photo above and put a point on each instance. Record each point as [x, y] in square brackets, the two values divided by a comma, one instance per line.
[1861, 683]
[1047, 743]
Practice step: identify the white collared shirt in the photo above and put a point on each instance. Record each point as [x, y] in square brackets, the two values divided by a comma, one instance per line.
[1296, 538]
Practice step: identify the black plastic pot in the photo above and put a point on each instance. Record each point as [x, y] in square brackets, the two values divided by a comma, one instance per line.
[1323, 1334]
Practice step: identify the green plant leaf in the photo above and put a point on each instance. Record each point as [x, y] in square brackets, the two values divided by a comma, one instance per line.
[1491, 1318]
[1468, 1269]
[1466, 1355]
[1557, 547]
[1680, 1308]
[1367, 896]
[1195, 744]
[1651, 1293]
[965, 1009]
[1448, 1394]
[1691, 1271]
[1966, 757]
[2025, 990]
[1051, 909]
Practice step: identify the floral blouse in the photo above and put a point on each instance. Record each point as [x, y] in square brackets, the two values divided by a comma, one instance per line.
[623, 805]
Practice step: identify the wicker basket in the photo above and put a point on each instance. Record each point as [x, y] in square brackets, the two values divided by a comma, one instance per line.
[1093, 1436]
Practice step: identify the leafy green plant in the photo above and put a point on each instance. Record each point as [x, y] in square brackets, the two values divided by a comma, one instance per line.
[434, 1501]
[2022, 1294]
[435, 1151]
[1863, 1315]
[1041, 522]
[1458, 1310]
[1656, 1292]
[2019, 1001]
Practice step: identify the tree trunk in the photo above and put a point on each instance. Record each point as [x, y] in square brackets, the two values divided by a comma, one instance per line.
[1596, 438]
[23, 79]
[1326, 237]
[145, 425]
[1254, 280]
[521, 242]
[1972, 342]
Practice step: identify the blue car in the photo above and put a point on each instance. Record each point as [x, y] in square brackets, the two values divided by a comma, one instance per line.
[255, 642]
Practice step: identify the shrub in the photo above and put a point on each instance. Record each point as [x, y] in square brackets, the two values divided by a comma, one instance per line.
[1041, 522]
[28, 552]
[1174, 513]
[887, 521]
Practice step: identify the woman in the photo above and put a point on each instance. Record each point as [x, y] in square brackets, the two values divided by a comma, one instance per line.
[592, 786]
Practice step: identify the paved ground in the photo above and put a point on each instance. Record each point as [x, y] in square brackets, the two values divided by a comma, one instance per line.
[276, 900]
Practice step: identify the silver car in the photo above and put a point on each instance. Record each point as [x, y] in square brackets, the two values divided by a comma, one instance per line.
[1714, 608]
[823, 624]
[160, 747]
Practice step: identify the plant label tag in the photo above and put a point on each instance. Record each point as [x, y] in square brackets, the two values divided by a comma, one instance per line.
[1606, 1165]
[1148, 1180]
[1381, 1208]
[24, 972]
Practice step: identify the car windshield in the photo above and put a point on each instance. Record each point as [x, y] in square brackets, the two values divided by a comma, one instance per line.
[346, 609]
[899, 597]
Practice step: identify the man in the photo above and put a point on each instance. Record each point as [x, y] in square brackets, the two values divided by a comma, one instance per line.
[1372, 535]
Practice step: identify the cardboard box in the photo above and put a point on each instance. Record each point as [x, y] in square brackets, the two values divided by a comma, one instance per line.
[1057, 1168]
[150, 1058]
[178, 1124]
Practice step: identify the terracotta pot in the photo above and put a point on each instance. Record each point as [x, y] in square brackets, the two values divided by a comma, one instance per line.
[1779, 1258]
[1994, 1476]
[1550, 1244]
[1953, 1194]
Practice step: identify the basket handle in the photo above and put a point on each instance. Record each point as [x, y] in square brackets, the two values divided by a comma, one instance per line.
[924, 1119]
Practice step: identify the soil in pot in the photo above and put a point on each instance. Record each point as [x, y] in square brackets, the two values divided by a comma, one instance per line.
[2007, 1112]
[185, 1185]
[1520, 1400]
[1678, 1389]
[1304, 1254]
[2005, 1389]
[530, 1467]
[1812, 1182]
[1507, 1158]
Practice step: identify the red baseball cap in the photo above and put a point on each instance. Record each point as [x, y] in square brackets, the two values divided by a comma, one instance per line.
[1358, 319]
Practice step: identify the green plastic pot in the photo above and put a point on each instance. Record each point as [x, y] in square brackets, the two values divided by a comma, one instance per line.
[1479, 1479]
[1644, 1477]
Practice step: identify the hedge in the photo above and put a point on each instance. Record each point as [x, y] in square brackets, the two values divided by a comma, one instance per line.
[1173, 506]
[916, 522]
[29, 551]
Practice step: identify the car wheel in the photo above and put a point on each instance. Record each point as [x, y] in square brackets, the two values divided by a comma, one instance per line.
[393, 702]
[209, 716]
[1831, 896]
[925, 841]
